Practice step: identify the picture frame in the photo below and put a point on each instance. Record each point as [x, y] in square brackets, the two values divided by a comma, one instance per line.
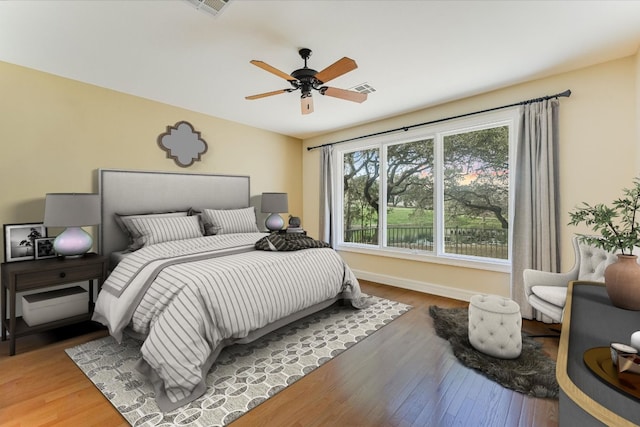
[19, 240]
[43, 248]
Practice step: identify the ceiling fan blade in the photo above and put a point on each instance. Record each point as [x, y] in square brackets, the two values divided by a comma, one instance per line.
[306, 104]
[338, 68]
[272, 70]
[349, 95]
[264, 95]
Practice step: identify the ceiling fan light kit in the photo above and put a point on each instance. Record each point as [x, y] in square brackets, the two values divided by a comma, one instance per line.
[307, 80]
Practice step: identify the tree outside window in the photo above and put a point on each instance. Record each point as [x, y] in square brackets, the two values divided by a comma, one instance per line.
[446, 195]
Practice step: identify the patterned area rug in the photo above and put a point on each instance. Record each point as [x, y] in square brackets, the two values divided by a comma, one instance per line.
[243, 376]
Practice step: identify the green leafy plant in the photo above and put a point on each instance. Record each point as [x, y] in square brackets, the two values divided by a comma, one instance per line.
[617, 224]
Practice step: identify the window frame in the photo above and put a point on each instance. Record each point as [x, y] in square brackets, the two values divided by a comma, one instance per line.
[507, 117]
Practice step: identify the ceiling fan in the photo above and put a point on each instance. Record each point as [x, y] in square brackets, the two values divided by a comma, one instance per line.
[306, 80]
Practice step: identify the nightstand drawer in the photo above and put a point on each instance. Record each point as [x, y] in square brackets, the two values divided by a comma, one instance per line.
[41, 274]
[31, 279]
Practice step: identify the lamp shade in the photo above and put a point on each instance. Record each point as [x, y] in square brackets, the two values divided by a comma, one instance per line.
[274, 203]
[71, 209]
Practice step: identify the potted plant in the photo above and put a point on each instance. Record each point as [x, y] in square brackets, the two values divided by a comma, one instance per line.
[619, 231]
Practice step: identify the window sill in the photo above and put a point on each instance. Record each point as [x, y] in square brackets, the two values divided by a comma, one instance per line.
[501, 266]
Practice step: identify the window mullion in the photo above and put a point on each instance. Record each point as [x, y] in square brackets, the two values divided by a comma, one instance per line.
[382, 198]
[438, 225]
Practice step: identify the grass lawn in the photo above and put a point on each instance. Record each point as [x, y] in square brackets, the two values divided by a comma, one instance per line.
[404, 216]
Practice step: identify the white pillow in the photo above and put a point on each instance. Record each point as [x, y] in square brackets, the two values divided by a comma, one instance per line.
[126, 224]
[229, 221]
[158, 230]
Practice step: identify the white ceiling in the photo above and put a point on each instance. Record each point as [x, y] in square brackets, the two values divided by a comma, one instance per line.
[414, 53]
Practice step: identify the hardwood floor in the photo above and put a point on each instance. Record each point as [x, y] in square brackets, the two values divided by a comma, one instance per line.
[402, 375]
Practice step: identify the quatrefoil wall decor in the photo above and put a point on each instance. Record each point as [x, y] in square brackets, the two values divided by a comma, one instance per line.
[183, 144]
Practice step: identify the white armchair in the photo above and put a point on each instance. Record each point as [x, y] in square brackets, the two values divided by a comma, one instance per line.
[547, 292]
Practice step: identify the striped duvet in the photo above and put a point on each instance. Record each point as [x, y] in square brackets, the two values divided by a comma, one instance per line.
[190, 298]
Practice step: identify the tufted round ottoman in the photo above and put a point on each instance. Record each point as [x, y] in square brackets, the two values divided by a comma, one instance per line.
[495, 326]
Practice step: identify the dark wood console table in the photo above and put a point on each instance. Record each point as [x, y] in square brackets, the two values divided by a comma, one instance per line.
[590, 320]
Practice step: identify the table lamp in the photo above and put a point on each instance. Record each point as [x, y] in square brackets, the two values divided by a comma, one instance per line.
[72, 210]
[274, 204]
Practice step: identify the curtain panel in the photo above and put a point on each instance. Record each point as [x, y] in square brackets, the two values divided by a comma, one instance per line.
[326, 195]
[536, 219]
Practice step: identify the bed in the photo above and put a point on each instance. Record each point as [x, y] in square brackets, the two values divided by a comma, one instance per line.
[187, 279]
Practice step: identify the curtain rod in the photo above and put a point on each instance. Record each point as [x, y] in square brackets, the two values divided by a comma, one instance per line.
[566, 93]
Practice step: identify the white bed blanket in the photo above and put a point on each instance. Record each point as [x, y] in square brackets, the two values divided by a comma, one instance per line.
[190, 298]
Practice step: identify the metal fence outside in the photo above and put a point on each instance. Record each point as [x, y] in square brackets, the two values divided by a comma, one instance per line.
[489, 243]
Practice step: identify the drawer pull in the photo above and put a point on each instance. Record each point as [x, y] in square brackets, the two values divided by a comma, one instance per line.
[63, 274]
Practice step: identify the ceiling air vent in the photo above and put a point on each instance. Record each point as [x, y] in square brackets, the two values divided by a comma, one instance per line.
[363, 88]
[214, 7]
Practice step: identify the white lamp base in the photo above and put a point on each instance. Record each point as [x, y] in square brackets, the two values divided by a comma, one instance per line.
[74, 242]
[274, 222]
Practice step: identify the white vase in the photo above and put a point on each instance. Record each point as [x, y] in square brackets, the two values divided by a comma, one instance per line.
[635, 340]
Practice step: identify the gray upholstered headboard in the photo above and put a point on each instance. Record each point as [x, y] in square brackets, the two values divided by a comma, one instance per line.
[135, 192]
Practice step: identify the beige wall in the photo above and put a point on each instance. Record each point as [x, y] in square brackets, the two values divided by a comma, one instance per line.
[637, 113]
[55, 133]
[598, 156]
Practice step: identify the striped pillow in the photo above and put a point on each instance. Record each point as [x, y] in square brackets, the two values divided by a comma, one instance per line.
[232, 220]
[158, 230]
[205, 223]
[126, 224]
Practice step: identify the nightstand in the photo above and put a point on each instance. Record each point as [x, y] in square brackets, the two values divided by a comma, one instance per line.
[29, 275]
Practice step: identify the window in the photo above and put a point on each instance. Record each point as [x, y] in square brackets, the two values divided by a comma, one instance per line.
[361, 192]
[442, 191]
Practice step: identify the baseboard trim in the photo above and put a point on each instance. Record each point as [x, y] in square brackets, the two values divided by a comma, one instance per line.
[415, 285]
